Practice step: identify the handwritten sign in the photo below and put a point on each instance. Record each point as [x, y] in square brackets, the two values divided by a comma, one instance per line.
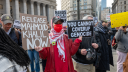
[34, 31]
[80, 28]
[63, 15]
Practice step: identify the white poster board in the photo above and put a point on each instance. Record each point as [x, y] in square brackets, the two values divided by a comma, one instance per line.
[17, 24]
[63, 15]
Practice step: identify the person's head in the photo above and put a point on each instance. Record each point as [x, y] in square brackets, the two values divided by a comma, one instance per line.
[125, 28]
[88, 17]
[12, 51]
[104, 23]
[7, 22]
[57, 24]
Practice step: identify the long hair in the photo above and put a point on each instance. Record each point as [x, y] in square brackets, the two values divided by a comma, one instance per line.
[12, 51]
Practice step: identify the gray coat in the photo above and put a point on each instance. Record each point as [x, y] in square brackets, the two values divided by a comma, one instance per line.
[122, 40]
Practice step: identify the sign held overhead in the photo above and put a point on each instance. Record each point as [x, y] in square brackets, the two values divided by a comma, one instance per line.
[63, 15]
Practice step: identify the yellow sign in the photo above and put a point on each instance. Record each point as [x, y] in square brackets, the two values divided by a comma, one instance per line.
[119, 19]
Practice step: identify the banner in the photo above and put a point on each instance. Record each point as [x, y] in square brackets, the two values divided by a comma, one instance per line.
[80, 28]
[17, 24]
[34, 31]
[119, 19]
[63, 15]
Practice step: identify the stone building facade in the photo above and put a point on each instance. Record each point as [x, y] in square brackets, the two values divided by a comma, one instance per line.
[119, 6]
[87, 7]
[33, 7]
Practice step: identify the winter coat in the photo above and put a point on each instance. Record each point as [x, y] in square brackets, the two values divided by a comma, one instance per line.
[105, 49]
[48, 53]
[122, 40]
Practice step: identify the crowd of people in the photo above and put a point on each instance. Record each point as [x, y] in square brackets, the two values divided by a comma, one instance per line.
[83, 54]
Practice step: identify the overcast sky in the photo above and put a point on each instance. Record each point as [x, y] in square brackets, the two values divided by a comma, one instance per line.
[109, 4]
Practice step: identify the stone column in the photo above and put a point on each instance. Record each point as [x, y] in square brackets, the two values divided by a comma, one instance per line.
[7, 3]
[17, 9]
[49, 14]
[38, 8]
[44, 10]
[24, 6]
[32, 7]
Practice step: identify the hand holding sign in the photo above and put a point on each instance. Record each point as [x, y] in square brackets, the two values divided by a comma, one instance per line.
[38, 48]
[80, 38]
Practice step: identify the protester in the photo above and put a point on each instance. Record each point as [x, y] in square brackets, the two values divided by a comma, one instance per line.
[61, 49]
[12, 57]
[34, 57]
[81, 64]
[105, 47]
[122, 47]
[7, 23]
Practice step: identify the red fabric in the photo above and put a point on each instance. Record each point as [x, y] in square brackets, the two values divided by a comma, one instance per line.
[113, 41]
[48, 53]
[60, 66]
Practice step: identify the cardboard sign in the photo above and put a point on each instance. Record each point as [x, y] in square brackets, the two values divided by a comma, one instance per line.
[119, 19]
[34, 31]
[80, 28]
[63, 15]
[17, 24]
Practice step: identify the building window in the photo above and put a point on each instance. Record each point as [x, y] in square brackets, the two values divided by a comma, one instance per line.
[85, 7]
[1, 6]
[120, 2]
[80, 7]
[80, 0]
[85, 3]
[80, 4]
[74, 4]
[85, 14]
[124, 8]
[75, 8]
[85, 0]
[124, 2]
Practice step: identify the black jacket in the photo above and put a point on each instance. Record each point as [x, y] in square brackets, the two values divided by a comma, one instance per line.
[85, 44]
[105, 50]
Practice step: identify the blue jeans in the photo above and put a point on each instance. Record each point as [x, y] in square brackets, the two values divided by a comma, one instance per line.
[33, 54]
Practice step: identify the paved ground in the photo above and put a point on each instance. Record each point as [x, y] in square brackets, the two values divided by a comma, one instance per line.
[113, 69]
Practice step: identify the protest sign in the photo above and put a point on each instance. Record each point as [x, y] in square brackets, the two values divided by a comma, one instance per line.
[119, 19]
[63, 15]
[17, 24]
[95, 19]
[34, 31]
[80, 28]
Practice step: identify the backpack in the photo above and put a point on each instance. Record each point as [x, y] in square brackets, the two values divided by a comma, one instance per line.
[17, 34]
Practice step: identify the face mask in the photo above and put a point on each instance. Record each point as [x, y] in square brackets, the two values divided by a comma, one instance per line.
[58, 27]
[127, 29]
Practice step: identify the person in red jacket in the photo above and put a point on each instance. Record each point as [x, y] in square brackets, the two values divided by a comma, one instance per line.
[61, 49]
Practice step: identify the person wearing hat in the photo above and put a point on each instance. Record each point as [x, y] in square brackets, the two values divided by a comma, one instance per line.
[61, 49]
[7, 23]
